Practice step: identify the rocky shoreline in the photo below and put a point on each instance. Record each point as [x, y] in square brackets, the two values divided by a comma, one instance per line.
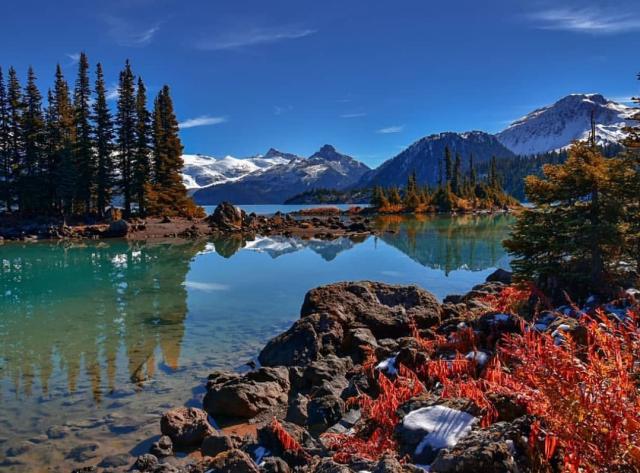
[279, 416]
[226, 220]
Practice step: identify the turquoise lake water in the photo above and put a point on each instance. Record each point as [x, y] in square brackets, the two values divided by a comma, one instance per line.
[98, 338]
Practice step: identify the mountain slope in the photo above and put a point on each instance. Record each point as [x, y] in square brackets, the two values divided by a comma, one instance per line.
[556, 126]
[201, 171]
[325, 169]
[425, 157]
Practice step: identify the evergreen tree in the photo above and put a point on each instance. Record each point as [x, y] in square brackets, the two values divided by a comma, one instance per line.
[394, 196]
[411, 198]
[5, 137]
[456, 177]
[31, 195]
[494, 180]
[169, 195]
[379, 199]
[572, 238]
[126, 135]
[15, 106]
[631, 187]
[447, 164]
[472, 172]
[84, 152]
[103, 136]
[141, 164]
[62, 142]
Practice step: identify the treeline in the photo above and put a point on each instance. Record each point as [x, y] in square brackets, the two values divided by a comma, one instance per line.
[457, 189]
[514, 170]
[72, 155]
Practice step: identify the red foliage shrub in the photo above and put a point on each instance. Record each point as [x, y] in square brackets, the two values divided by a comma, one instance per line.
[374, 436]
[586, 398]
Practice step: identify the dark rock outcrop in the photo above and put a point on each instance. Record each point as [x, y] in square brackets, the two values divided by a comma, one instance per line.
[233, 461]
[331, 313]
[234, 396]
[186, 426]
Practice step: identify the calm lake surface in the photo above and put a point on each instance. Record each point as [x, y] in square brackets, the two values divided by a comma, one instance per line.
[97, 339]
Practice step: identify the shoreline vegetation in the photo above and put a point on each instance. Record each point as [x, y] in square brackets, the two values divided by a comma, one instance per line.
[532, 372]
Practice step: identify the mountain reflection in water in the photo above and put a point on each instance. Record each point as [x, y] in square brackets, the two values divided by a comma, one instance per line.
[104, 313]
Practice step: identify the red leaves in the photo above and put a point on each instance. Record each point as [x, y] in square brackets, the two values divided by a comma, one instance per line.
[375, 434]
[288, 442]
[511, 298]
[586, 397]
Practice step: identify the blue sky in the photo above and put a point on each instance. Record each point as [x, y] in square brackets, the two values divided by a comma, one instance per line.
[368, 76]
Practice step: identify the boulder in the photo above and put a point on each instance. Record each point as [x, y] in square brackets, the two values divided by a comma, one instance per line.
[232, 461]
[384, 309]
[342, 318]
[493, 449]
[227, 217]
[297, 410]
[274, 465]
[117, 229]
[500, 275]
[308, 339]
[215, 445]
[324, 411]
[186, 426]
[249, 395]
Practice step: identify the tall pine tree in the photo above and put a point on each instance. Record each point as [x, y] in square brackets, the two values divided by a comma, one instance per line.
[63, 142]
[84, 152]
[141, 160]
[31, 185]
[103, 139]
[16, 143]
[5, 156]
[126, 135]
[169, 194]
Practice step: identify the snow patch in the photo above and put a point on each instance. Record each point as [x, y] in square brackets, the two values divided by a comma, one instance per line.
[445, 426]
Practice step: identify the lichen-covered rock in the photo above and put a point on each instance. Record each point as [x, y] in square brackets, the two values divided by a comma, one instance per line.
[186, 426]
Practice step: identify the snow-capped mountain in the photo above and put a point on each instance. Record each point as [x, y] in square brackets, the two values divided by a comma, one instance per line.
[425, 157]
[556, 126]
[274, 184]
[202, 171]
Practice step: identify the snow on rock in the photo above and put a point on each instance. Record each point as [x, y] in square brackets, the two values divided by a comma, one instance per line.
[444, 426]
[480, 357]
[554, 127]
[388, 366]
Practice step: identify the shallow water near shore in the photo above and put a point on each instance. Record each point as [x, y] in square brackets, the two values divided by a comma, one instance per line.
[97, 339]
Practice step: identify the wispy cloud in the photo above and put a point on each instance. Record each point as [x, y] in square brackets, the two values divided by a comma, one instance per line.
[125, 33]
[280, 110]
[203, 120]
[587, 20]
[238, 39]
[112, 91]
[74, 58]
[391, 129]
[353, 115]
